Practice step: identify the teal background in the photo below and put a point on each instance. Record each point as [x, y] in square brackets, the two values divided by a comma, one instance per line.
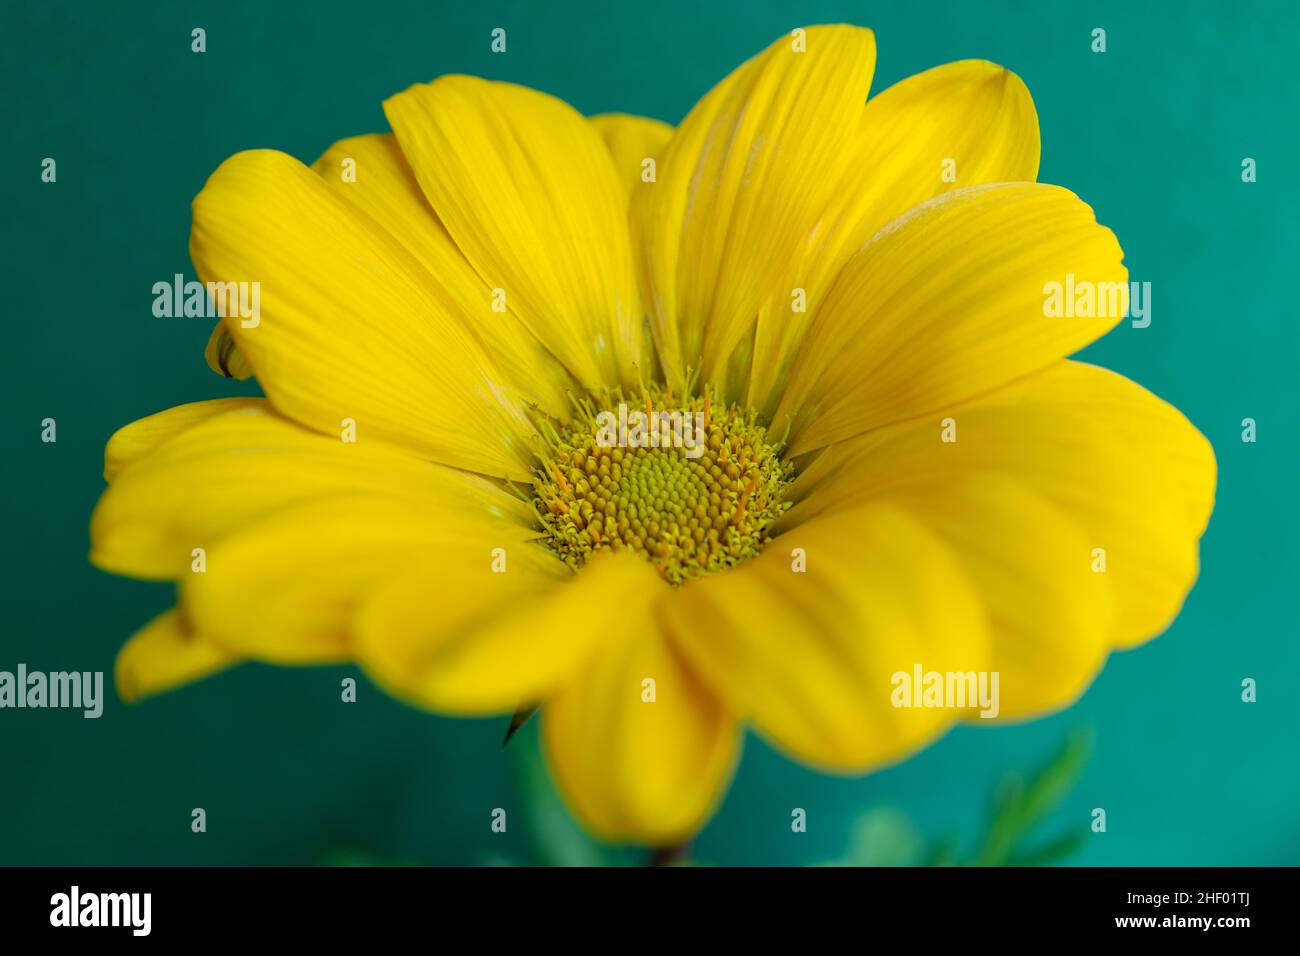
[1151, 133]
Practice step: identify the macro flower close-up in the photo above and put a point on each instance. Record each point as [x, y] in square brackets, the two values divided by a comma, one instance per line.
[667, 432]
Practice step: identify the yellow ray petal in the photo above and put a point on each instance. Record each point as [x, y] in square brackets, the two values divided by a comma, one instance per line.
[948, 302]
[138, 439]
[526, 188]
[1125, 467]
[452, 634]
[973, 114]
[287, 589]
[372, 172]
[164, 654]
[640, 748]
[238, 467]
[810, 656]
[740, 188]
[223, 355]
[349, 327]
[1051, 618]
[631, 140]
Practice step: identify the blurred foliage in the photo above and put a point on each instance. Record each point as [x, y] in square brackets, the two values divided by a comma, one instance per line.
[1022, 804]
[881, 836]
[887, 837]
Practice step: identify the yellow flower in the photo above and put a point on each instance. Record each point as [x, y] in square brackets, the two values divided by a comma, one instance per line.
[840, 290]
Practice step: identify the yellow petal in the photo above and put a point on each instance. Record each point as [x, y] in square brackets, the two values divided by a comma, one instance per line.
[164, 654]
[349, 327]
[372, 172]
[950, 301]
[973, 114]
[740, 188]
[641, 750]
[138, 439]
[631, 140]
[238, 467]
[1125, 467]
[810, 656]
[1050, 616]
[287, 589]
[223, 355]
[453, 634]
[526, 188]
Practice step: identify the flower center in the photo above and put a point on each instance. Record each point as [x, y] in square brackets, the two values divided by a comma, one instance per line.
[692, 486]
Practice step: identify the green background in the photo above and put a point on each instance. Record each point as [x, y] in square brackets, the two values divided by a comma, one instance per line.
[1151, 133]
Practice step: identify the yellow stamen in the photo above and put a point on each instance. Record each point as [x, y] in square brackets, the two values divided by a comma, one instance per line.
[689, 506]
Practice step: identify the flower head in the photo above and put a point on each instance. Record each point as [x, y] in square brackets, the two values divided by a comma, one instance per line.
[666, 430]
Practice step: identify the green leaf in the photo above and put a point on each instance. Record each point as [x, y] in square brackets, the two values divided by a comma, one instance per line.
[1004, 827]
[1055, 781]
[1021, 806]
[1053, 851]
[944, 852]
